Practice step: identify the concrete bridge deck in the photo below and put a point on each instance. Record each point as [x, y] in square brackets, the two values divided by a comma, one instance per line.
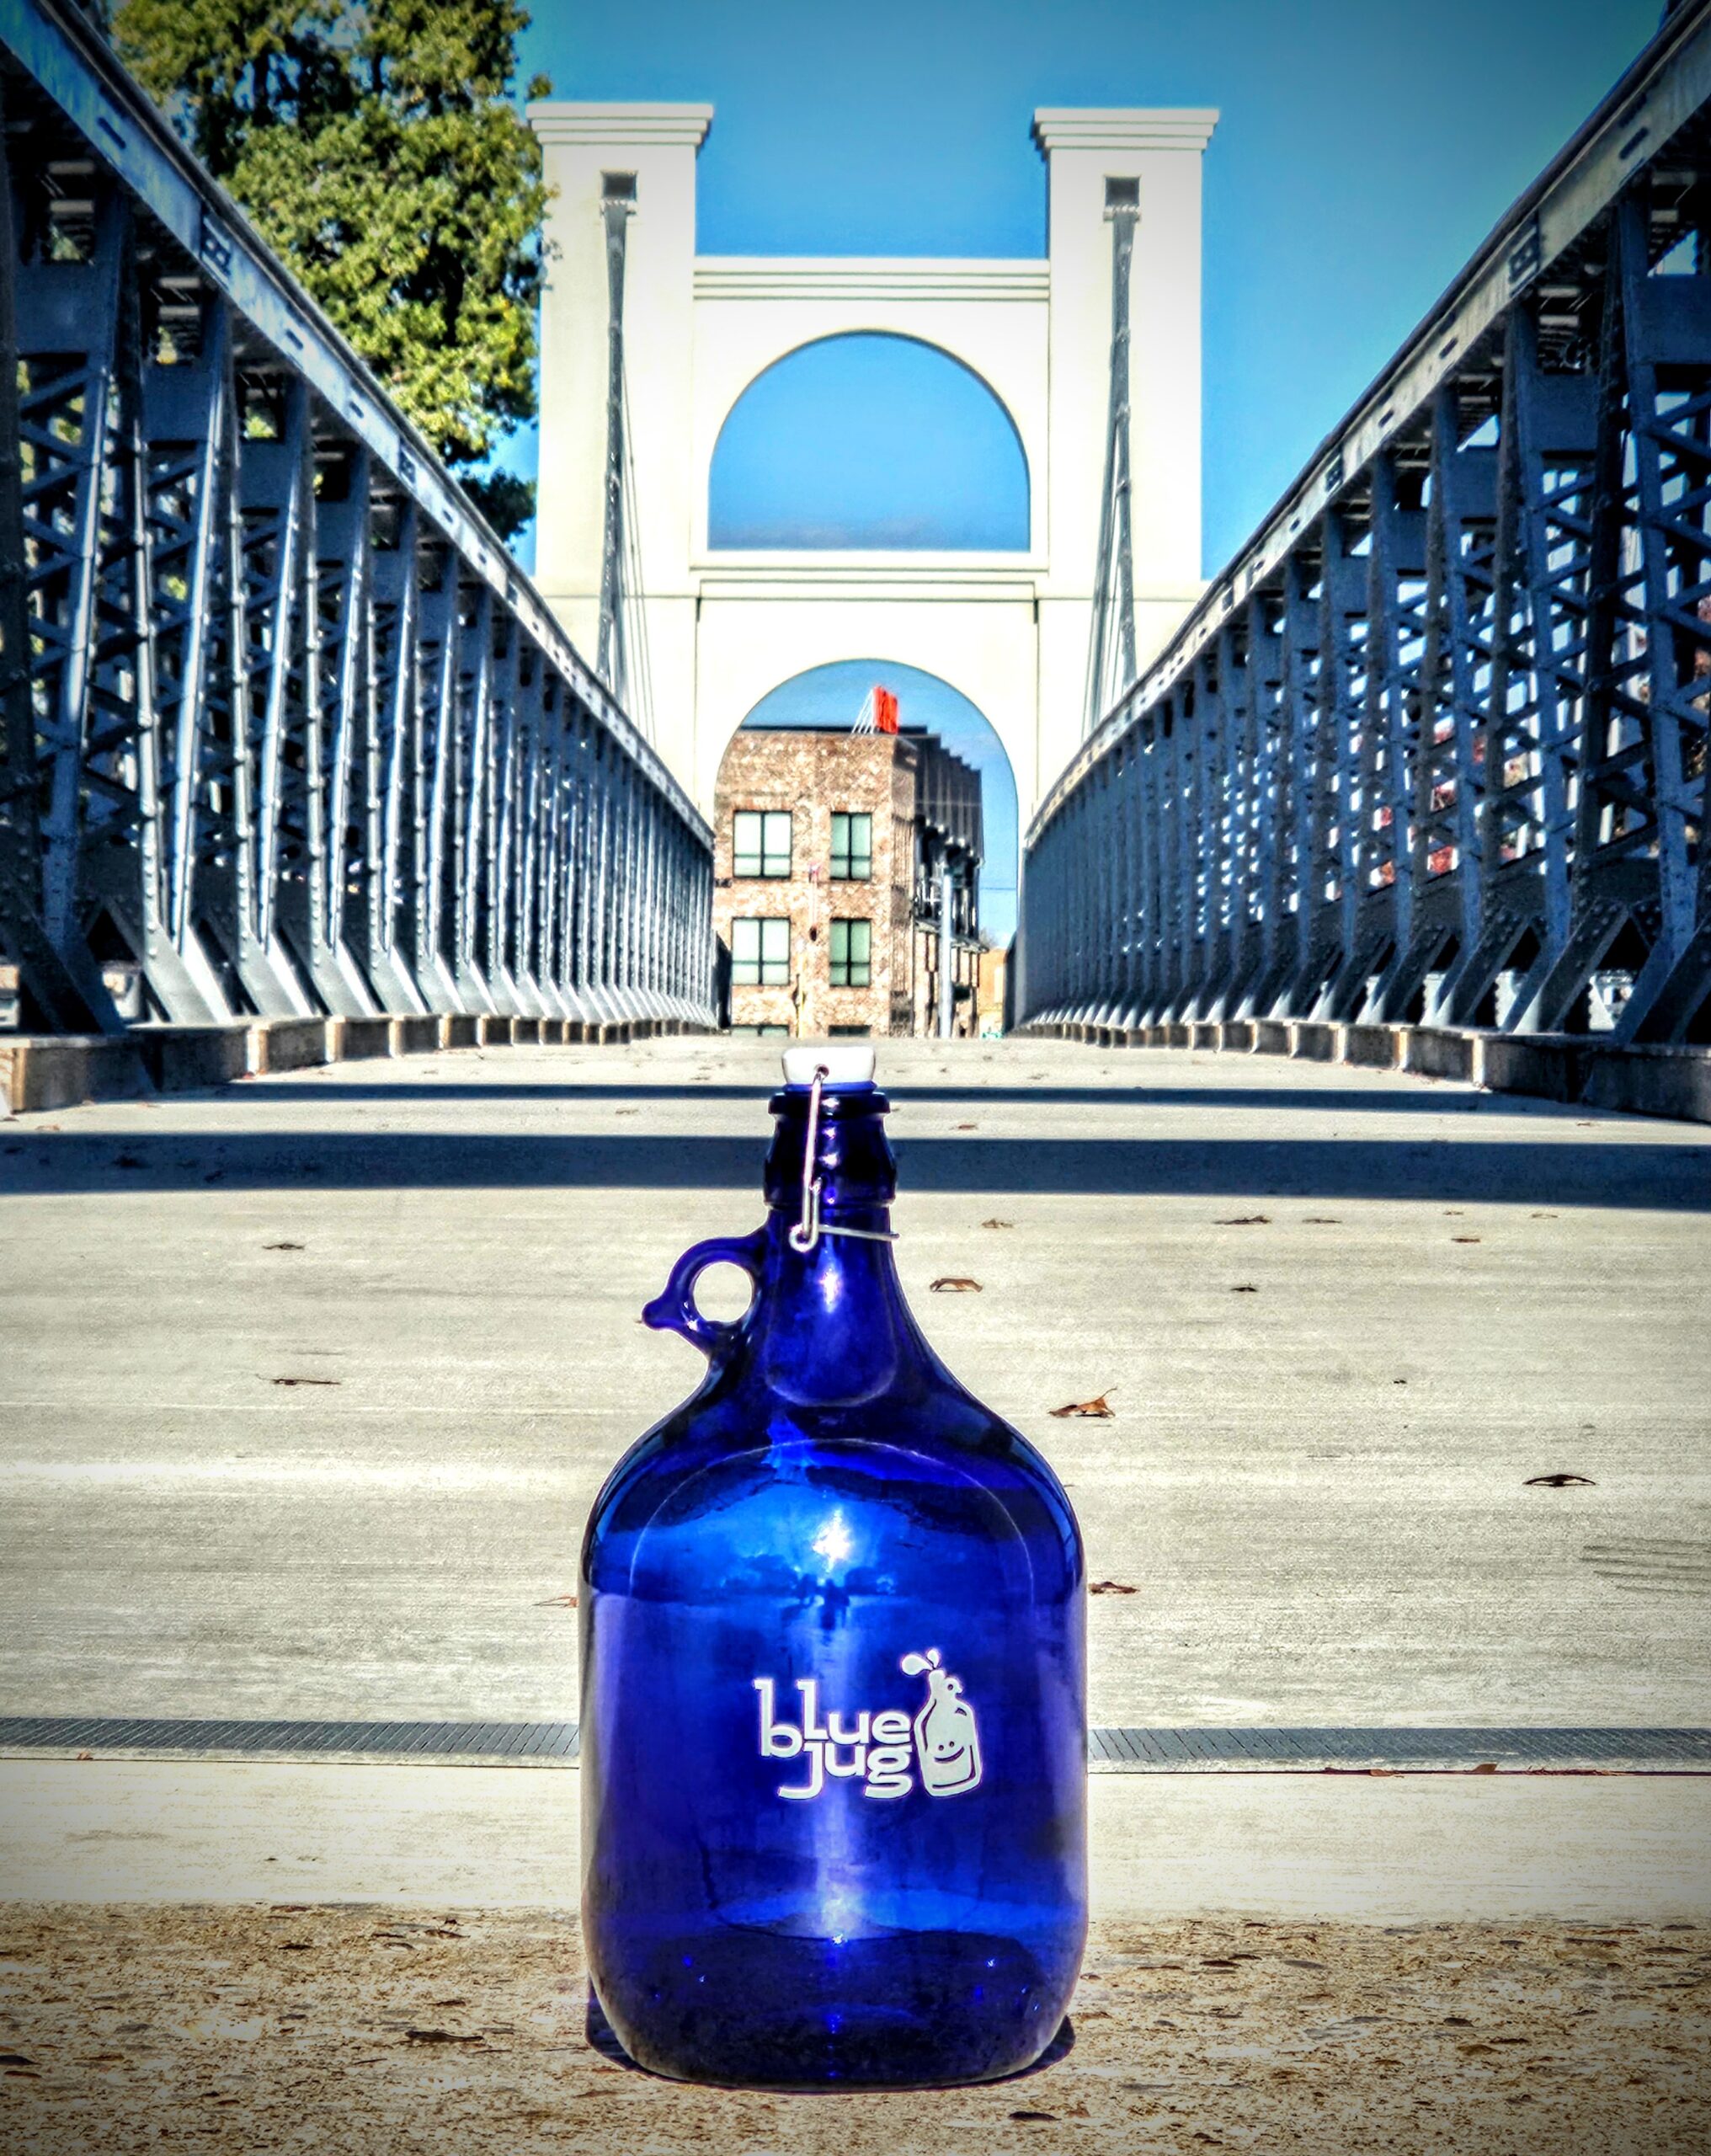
[310, 1381]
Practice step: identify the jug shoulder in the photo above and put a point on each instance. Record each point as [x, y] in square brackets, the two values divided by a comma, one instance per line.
[967, 1474]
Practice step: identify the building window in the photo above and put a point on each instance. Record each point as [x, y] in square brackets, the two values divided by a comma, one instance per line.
[760, 842]
[852, 953]
[850, 1032]
[760, 953]
[852, 848]
[765, 1032]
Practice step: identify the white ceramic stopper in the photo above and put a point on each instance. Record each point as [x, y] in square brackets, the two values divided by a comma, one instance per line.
[843, 1066]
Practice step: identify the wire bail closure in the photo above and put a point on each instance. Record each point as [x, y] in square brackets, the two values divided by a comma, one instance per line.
[807, 1230]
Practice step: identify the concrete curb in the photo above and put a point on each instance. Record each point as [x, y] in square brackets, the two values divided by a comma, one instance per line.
[417, 1036]
[1674, 1082]
[357, 1040]
[180, 1059]
[57, 1071]
[40, 1071]
[289, 1044]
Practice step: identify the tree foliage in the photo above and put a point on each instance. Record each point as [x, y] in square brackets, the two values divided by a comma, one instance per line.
[377, 148]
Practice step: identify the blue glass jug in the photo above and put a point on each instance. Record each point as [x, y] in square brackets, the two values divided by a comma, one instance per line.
[833, 1721]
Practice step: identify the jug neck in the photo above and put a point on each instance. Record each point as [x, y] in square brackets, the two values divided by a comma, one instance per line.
[831, 1325]
[852, 1163]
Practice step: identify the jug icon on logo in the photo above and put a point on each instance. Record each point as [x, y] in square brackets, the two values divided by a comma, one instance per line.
[947, 1744]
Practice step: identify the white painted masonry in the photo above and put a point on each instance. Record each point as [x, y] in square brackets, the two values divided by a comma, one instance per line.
[1008, 630]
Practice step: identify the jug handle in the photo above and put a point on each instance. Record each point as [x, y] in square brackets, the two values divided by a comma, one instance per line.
[673, 1309]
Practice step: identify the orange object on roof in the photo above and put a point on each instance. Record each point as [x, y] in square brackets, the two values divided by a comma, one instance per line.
[878, 712]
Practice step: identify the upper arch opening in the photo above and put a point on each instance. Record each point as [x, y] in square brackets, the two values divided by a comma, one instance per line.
[868, 441]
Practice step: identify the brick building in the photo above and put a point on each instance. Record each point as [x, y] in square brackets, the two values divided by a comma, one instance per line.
[829, 851]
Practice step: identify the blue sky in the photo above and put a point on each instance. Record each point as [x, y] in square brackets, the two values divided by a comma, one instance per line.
[1366, 148]
[922, 453]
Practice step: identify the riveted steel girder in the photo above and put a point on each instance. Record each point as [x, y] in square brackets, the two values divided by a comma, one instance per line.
[282, 728]
[1435, 745]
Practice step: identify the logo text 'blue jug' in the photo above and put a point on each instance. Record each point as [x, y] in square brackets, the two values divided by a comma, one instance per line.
[879, 1750]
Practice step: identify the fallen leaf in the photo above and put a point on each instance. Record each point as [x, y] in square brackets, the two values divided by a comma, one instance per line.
[997, 1223]
[1558, 1482]
[954, 1285]
[282, 1246]
[308, 1380]
[127, 1161]
[1112, 1587]
[1487, 1767]
[451, 2002]
[1320, 1220]
[1543, 1216]
[1097, 1410]
[438, 2037]
[1247, 1220]
[214, 1175]
[1398, 1380]
[615, 1112]
[86, 1755]
[1051, 2116]
[1464, 1238]
[1245, 1288]
[557, 1602]
[967, 1126]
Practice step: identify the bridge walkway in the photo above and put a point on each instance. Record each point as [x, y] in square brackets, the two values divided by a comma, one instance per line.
[312, 1379]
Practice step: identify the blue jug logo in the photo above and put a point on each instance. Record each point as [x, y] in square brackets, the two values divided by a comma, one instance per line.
[875, 1749]
[947, 1743]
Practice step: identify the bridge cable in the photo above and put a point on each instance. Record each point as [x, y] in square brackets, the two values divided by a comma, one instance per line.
[638, 687]
[1110, 650]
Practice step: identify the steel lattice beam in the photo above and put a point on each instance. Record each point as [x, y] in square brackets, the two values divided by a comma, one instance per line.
[281, 722]
[1435, 745]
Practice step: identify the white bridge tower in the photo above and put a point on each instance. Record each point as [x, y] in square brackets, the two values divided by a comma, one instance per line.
[1010, 631]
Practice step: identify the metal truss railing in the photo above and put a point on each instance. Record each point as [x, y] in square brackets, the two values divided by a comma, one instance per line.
[1434, 746]
[280, 722]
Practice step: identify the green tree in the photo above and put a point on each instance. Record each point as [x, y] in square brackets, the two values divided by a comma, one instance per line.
[377, 150]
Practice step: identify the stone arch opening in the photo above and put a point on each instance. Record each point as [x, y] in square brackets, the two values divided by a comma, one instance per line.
[849, 867]
[869, 440]
[829, 696]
